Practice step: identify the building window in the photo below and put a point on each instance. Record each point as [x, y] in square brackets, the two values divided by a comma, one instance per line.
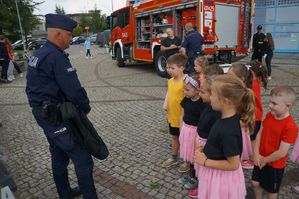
[287, 2]
[264, 3]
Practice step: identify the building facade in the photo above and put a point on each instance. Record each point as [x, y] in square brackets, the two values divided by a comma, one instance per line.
[281, 19]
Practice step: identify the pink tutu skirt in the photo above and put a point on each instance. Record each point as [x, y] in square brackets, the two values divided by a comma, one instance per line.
[187, 142]
[219, 184]
[247, 148]
[200, 142]
[295, 153]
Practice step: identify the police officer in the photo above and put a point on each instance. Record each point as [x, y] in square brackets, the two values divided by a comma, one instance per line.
[191, 46]
[258, 45]
[51, 79]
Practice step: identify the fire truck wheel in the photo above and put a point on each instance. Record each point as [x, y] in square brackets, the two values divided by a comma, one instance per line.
[119, 59]
[160, 64]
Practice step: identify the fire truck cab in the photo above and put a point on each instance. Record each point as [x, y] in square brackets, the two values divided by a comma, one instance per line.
[137, 30]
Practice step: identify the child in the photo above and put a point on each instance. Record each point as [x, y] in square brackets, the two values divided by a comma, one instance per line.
[87, 45]
[273, 141]
[251, 74]
[175, 94]
[200, 63]
[192, 108]
[295, 158]
[221, 176]
[213, 69]
[207, 119]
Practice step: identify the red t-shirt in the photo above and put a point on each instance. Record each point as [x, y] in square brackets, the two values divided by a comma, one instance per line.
[275, 131]
[258, 100]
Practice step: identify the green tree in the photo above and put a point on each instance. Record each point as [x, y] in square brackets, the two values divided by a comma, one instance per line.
[98, 20]
[59, 10]
[9, 23]
[77, 31]
[85, 20]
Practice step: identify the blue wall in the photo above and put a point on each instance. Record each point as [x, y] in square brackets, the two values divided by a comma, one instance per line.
[281, 19]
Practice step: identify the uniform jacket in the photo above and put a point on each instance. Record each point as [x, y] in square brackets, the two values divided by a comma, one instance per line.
[52, 79]
[192, 43]
[83, 130]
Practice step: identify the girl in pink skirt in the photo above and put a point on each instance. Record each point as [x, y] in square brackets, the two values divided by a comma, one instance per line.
[207, 118]
[192, 108]
[221, 176]
[295, 158]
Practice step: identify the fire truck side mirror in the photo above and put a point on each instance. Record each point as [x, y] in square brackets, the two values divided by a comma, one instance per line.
[108, 22]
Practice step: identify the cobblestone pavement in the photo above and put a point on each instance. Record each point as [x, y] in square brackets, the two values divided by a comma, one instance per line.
[127, 112]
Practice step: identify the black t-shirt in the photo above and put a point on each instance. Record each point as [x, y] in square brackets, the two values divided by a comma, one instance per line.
[225, 139]
[166, 42]
[192, 110]
[207, 119]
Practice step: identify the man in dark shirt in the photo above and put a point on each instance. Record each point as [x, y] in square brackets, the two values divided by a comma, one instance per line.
[258, 44]
[171, 43]
[4, 59]
[191, 46]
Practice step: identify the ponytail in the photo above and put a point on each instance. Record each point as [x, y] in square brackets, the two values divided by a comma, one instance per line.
[232, 88]
[247, 109]
[260, 71]
[243, 72]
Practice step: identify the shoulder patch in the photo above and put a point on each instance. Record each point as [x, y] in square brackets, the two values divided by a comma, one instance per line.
[33, 61]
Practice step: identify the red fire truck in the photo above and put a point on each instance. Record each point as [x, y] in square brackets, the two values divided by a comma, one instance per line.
[137, 30]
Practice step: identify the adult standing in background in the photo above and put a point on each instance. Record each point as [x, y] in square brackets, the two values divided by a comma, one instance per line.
[4, 59]
[258, 45]
[51, 80]
[171, 44]
[191, 46]
[269, 47]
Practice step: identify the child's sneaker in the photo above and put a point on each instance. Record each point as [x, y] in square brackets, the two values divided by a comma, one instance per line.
[170, 162]
[191, 184]
[247, 164]
[184, 168]
[296, 189]
[184, 179]
[193, 193]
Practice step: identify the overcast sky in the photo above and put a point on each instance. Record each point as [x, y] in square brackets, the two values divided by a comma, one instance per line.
[77, 6]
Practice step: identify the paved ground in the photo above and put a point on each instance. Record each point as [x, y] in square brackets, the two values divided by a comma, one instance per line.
[127, 112]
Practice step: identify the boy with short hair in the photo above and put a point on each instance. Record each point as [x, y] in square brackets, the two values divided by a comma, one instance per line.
[273, 141]
[175, 94]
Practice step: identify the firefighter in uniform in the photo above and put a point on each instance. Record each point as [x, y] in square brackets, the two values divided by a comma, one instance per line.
[51, 80]
[258, 45]
[191, 46]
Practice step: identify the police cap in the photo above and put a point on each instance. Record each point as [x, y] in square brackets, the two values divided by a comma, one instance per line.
[259, 27]
[60, 21]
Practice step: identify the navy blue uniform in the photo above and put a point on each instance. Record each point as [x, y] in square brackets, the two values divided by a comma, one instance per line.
[192, 43]
[52, 79]
[258, 46]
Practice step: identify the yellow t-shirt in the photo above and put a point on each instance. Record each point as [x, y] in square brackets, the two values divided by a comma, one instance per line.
[175, 96]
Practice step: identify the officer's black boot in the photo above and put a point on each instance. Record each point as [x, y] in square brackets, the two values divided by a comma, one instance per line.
[75, 192]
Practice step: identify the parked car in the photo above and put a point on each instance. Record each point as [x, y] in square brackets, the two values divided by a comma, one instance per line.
[78, 40]
[36, 44]
[93, 38]
[19, 45]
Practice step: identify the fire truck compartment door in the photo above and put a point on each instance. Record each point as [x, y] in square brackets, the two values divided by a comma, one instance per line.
[227, 25]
